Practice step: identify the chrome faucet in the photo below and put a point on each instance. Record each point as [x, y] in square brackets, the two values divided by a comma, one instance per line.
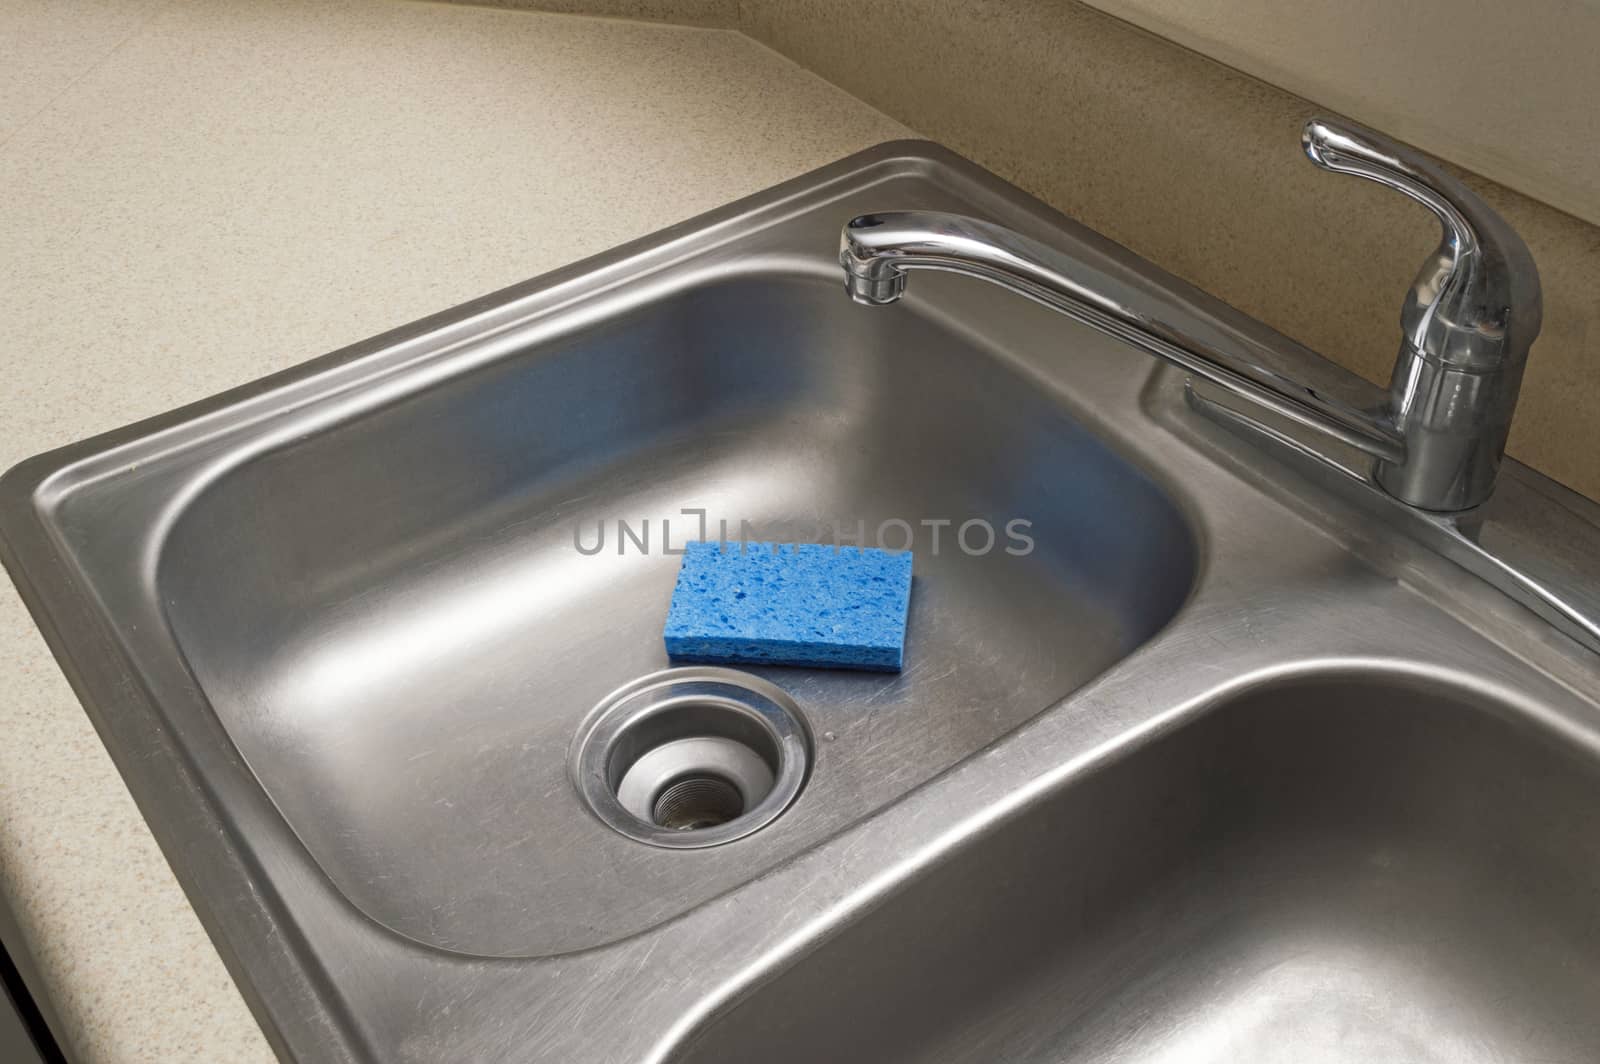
[1467, 321]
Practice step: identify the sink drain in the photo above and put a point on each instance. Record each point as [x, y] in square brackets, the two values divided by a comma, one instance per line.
[691, 757]
[697, 802]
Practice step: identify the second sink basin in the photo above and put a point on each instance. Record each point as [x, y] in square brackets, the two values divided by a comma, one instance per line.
[1358, 867]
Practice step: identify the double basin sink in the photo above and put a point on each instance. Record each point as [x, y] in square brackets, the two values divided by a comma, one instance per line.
[1191, 760]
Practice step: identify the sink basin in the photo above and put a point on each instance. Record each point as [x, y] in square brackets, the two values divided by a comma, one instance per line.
[1339, 868]
[1193, 758]
[394, 621]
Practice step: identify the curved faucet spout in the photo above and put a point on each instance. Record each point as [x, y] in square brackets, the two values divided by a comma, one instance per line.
[1467, 322]
[877, 251]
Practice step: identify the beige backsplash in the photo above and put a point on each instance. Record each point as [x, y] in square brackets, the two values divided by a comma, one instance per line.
[1193, 165]
[689, 12]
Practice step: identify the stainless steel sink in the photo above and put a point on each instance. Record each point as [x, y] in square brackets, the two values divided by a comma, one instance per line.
[1225, 764]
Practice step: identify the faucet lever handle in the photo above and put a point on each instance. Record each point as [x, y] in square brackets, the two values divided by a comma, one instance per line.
[1476, 301]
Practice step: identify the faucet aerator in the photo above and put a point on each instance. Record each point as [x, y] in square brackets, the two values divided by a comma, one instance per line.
[875, 289]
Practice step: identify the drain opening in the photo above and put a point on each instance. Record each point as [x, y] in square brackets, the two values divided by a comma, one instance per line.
[692, 757]
[692, 803]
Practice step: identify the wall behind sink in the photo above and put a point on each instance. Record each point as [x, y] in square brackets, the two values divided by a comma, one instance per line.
[1194, 165]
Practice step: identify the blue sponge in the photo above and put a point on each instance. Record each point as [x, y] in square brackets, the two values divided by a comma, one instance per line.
[801, 604]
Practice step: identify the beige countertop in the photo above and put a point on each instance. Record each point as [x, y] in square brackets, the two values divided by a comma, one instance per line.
[200, 194]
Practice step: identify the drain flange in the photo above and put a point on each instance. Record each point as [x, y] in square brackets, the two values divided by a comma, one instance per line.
[692, 757]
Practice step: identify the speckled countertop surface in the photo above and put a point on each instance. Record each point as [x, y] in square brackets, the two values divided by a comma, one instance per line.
[198, 194]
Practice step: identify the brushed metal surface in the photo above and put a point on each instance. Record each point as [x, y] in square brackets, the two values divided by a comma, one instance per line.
[1226, 739]
[392, 622]
[1344, 867]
